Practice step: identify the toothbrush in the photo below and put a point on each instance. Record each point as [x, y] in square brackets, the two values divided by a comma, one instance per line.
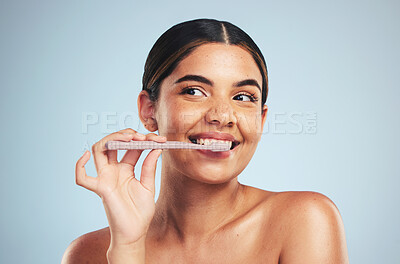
[121, 145]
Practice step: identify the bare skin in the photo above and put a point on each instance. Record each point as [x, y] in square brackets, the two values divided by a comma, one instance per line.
[203, 214]
[266, 232]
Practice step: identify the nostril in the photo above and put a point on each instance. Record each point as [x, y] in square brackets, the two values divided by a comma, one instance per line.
[221, 115]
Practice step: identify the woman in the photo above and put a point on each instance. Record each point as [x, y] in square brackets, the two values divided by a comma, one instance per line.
[204, 80]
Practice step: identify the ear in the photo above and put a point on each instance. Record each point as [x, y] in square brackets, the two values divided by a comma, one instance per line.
[146, 111]
[263, 116]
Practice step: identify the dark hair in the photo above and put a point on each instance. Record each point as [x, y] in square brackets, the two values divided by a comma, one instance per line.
[180, 40]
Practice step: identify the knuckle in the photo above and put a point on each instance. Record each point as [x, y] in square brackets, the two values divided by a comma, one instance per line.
[97, 147]
[78, 181]
[130, 130]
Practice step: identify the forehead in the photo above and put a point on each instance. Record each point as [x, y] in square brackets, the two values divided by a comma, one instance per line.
[219, 61]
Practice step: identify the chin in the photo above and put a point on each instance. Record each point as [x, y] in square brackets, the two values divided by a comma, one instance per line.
[204, 170]
[213, 181]
[212, 175]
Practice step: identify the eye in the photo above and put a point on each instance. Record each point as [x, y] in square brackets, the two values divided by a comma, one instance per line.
[192, 91]
[245, 97]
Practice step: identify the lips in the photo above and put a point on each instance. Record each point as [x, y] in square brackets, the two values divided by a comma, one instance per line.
[210, 137]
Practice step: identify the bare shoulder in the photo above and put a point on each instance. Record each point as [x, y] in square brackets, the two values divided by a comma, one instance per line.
[304, 204]
[289, 210]
[312, 228]
[290, 207]
[299, 210]
[88, 248]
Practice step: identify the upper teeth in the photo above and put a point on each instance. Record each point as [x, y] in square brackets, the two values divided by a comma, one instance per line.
[206, 141]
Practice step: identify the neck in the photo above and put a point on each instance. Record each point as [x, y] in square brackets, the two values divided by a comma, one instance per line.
[188, 209]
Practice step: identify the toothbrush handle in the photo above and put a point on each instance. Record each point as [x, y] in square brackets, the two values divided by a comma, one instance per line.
[121, 145]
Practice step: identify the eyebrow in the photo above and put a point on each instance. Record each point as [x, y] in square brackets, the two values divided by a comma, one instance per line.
[246, 82]
[199, 78]
[196, 78]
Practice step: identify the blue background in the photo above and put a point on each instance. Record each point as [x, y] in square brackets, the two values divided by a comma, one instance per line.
[62, 62]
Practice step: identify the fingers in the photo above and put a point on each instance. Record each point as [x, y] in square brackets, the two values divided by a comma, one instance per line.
[102, 156]
[156, 138]
[80, 173]
[149, 170]
[132, 156]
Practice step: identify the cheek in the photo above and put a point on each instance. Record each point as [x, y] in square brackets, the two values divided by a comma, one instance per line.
[250, 125]
[177, 119]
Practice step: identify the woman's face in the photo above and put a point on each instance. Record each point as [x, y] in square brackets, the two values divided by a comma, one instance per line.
[213, 94]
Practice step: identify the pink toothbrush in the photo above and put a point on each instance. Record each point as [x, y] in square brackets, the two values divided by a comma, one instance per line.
[121, 145]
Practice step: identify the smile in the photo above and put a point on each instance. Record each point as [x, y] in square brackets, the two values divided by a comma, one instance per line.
[209, 138]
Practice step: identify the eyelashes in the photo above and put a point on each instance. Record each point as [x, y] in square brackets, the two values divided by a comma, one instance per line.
[242, 96]
[192, 91]
[251, 97]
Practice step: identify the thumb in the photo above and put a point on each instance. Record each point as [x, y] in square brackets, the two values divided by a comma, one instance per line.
[147, 176]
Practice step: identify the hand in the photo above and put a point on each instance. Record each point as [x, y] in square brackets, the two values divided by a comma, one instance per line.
[128, 202]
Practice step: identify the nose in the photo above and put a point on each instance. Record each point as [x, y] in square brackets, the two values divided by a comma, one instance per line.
[221, 114]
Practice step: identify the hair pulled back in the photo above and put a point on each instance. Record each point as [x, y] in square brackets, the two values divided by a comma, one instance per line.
[180, 40]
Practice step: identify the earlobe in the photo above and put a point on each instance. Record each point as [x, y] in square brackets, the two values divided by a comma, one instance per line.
[264, 114]
[146, 111]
